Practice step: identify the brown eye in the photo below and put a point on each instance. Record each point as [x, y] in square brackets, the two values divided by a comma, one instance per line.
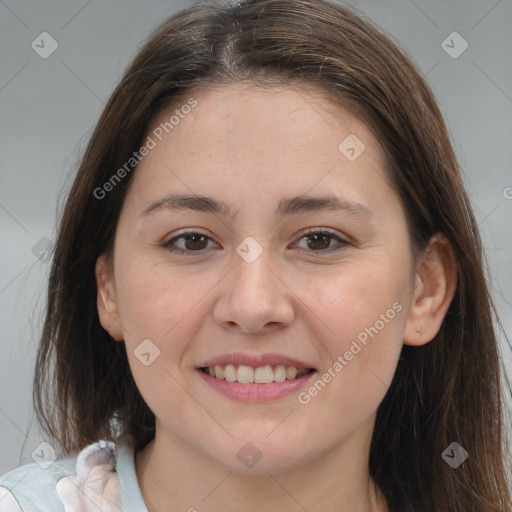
[320, 241]
[191, 242]
[195, 242]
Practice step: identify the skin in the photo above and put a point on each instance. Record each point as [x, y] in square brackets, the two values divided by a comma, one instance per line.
[252, 147]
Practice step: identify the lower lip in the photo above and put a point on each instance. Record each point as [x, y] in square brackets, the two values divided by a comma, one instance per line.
[256, 392]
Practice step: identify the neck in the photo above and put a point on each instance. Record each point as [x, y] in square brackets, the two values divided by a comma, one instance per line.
[170, 472]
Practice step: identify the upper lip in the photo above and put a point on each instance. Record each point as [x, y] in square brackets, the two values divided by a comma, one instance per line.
[255, 361]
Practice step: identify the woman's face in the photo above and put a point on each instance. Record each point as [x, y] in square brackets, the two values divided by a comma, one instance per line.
[250, 288]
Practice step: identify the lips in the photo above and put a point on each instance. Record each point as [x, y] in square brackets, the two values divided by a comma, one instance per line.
[261, 377]
[253, 392]
[255, 361]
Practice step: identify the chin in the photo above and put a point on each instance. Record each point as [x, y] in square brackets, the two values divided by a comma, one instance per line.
[261, 456]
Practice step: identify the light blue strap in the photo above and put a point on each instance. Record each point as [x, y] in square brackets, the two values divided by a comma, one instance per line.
[131, 498]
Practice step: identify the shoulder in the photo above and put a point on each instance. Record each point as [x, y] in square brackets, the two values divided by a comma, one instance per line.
[87, 482]
[32, 487]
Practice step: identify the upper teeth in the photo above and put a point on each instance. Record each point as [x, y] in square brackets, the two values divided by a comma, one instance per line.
[260, 375]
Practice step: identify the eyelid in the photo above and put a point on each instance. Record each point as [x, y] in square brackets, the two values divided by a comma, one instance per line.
[188, 231]
[320, 229]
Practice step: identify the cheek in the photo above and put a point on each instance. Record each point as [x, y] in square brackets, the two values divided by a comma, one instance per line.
[153, 297]
[157, 303]
[162, 303]
[362, 311]
[356, 297]
[364, 346]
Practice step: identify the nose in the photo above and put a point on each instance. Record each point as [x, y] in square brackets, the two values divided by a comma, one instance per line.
[254, 297]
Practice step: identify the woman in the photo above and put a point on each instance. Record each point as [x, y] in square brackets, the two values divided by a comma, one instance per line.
[267, 291]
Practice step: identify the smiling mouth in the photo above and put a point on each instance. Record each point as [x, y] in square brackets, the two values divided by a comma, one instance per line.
[260, 375]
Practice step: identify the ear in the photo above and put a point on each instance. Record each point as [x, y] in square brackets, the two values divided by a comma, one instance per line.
[435, 285]
[106, 298]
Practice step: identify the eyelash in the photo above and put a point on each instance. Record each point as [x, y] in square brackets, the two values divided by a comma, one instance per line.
[169, 245]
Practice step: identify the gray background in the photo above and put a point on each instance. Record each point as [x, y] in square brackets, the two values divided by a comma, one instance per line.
[49, 106]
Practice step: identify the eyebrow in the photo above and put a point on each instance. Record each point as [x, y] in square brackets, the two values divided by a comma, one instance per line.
[286, 207]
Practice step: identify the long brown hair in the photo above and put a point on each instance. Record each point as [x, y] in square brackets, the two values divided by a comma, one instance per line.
[447, 390]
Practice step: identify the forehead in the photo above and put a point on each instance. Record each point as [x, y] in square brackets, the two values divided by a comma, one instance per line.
[233, 111]
[261, 140]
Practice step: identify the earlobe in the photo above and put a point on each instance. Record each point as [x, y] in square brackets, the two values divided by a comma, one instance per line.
[434, 288]
[106, 299]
